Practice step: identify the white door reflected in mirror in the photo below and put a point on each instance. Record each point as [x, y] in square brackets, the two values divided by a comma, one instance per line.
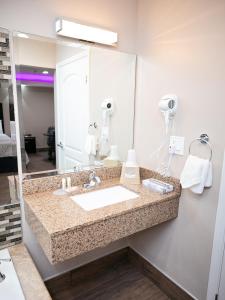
[72, 109]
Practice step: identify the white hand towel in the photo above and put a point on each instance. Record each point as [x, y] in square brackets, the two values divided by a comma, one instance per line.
[197, 174]
[209, 178]
[198, 188]
[90, 145]
[191, 174]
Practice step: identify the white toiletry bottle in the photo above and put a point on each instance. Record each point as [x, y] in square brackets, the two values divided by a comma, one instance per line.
[63, 184]
[130, 171]
[68, 183]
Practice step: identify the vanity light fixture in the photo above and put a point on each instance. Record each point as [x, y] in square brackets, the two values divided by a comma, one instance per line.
[22, 35]
[45, 72]
[86, 33]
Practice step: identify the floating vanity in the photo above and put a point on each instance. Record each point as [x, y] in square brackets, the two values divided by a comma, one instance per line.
[67, 226]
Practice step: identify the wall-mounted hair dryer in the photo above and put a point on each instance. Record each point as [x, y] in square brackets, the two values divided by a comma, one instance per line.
[168, 106]
[108, 105]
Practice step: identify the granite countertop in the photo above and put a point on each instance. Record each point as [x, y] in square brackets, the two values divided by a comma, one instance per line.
[65, 230]
[32, 285]
[60, 213]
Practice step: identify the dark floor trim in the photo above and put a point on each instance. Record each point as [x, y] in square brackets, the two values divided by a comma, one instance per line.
[172, 290]
[89, 270]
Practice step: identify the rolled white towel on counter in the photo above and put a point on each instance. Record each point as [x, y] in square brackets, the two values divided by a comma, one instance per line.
[197, 174]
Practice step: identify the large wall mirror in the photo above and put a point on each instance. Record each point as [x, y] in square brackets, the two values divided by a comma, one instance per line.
[8, 147]
[76, 104]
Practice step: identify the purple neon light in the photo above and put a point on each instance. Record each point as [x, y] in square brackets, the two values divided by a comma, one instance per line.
[35, 77]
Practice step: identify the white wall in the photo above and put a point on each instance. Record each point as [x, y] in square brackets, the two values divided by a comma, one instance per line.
[33, 52]
[38, 112]
[64, 51]
[112, 75]
[181, 50]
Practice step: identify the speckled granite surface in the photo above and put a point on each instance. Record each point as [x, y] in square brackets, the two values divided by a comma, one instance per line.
[43, 184]
[32, 285]
[65, 230]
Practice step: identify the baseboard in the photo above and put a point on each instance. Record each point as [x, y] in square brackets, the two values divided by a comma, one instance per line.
[166, 284]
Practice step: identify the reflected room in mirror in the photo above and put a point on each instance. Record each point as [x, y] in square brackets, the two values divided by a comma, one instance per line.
[8, 152]
[69, 119]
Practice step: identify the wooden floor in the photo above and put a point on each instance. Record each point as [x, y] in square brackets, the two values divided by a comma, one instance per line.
[121, 281]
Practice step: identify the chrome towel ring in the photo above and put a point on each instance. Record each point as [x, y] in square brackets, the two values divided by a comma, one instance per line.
[92, 128]
[204, 139]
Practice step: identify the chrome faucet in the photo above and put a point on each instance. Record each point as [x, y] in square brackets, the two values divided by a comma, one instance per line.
[2, 276]
[94, 180]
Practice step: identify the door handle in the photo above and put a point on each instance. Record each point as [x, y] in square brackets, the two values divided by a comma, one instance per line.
[60, 145]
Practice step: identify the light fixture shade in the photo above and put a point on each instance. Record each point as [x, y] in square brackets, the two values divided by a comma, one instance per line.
[87, 33]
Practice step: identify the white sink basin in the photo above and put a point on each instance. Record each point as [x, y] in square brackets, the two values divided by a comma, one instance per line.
[10, 287]
[100, 198]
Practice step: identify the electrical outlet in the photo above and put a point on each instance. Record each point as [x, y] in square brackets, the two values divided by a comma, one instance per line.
[176, 145]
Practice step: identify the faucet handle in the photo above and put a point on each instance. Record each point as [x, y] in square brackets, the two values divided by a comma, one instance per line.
[92, 175]
[97, 180]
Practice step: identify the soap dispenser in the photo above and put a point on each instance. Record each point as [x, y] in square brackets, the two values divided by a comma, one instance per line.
[130, 170]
